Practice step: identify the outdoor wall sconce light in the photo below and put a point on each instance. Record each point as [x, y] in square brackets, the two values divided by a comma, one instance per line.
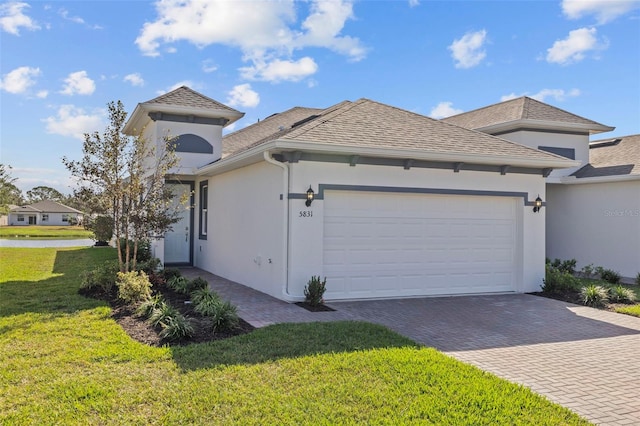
[537, 204]
[310, 195]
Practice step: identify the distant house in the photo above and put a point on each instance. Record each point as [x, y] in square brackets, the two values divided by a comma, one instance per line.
[44, 213]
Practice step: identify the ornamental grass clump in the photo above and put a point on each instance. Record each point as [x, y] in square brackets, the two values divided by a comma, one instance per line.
[175, 328]
[594, 295]
[206, 302]
[621, 294]
[161, 313]
[314, 291]
[133, 287]
[179, 284]
[225, 317]
[146, 308]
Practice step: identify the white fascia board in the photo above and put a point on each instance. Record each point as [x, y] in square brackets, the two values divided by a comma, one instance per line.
[572, 180]
[555, 163]
[525, 124]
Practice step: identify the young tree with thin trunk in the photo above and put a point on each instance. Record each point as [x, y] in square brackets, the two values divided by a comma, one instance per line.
[125, 176]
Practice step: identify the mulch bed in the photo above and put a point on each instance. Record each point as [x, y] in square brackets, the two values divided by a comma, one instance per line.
[140, 330]
[315, 308]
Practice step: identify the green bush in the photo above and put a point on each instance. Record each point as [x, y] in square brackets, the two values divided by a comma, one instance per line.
[206, 304]
[179, 284]
[314, 290]
[610, 276]
[225, 317]
[169, 273]
[161, 313]
[133, 287]
[594, 295]
[175, 328]
[199, 295]
[150, 266]
[142, 255]
[638, 279]
[558, 282]
[621, 294]
[147, 307]
[102, 228]
[198, 283]
[102, 278]
[587, 270]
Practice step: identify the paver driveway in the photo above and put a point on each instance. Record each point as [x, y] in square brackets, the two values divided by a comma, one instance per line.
[583, 358]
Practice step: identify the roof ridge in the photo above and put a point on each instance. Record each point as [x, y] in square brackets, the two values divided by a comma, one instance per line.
[527, 98]
[269, 118]
[519, 98]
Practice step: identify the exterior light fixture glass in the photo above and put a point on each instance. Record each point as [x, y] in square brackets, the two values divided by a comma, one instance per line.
[537, 204]
[310, 195]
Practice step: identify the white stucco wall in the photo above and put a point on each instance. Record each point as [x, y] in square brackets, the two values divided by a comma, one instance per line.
[595, 223]
[306, 233]
[245, 241]
[157, 130]
[580, 143]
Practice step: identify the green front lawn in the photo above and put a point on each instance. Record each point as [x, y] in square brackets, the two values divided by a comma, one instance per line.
[64, 360]
[36, 231]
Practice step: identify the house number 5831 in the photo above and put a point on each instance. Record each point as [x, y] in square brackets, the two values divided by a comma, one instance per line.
[305, 213]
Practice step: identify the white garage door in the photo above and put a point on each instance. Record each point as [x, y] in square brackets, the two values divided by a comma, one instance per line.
[395, 245]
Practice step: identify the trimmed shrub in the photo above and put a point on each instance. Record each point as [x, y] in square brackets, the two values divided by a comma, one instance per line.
[621, 294]
[314, 291]
[102, 228]
[178, 284]
[147, 307]
[169, 273]
[610, 276]
[102, 278]
[175, 328]
[594, 295]
[225, 317]
[161, 313]
[199, 295]
[150, 266]
[198, 283]
[558, 282]
[133, 287]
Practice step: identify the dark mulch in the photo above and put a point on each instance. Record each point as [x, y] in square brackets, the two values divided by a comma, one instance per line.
[315, 308]
[139, 329]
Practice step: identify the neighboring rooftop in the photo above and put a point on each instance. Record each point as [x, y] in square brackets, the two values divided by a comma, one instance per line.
[366, 123]
[612, 157]
[522, 112]
[185, 97]
[46, 206]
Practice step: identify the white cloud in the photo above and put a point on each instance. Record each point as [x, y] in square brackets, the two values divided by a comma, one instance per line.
[135, 79]
[76, 19]
[414, 3]
[19, 80]
[12, 18]
[443, 110]
[75, 122]
[575, 46]
[42, 94]
[78, 84]
[280, 70]
[467, 51]
[264, 31]
[243, 96]
[557, 94]
[209, 66]
[603, 10]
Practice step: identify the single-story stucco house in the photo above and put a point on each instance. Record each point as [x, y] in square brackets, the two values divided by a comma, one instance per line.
[593, 212]
[44, 213]
[381, 201]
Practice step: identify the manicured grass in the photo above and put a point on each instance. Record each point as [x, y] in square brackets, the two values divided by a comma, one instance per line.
[63, 360]
[34, 231]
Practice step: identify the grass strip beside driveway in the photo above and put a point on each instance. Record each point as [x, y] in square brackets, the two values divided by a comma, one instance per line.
[36, 231]
[63, 360]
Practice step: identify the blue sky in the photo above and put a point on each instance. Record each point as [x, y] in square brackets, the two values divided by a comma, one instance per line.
[62, 61]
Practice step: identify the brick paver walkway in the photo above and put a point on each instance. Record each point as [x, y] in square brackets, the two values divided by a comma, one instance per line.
[585, 359]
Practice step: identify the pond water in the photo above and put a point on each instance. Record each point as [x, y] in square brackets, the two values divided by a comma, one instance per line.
[42, 243]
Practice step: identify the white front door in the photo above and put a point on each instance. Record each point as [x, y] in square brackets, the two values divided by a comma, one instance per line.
[177, 242]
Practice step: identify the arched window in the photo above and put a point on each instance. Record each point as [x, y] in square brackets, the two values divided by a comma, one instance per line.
[193, 143]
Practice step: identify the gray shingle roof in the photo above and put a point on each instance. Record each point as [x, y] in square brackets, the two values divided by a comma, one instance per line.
[270, 126]
[522, 108]
[366, 123]
[612, 157]
[186, 97]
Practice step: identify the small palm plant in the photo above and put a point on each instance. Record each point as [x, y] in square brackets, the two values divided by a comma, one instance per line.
[314, 291]
[594, 295]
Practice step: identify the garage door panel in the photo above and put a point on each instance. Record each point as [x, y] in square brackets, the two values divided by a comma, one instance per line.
[385, 245]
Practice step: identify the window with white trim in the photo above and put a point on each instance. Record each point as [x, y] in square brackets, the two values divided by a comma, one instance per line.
[20, 218]
[204, 209]
[65, 218]
[45, 217]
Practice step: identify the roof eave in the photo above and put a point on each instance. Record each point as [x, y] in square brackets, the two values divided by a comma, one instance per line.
[525, 124]
[140, 116]
[573, 180]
